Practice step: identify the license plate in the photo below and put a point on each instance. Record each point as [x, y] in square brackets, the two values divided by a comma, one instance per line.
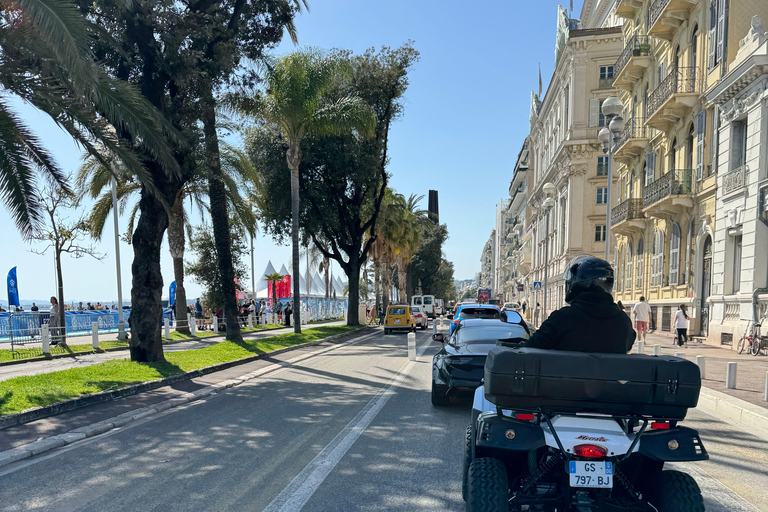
[591, 474]
[397, 321]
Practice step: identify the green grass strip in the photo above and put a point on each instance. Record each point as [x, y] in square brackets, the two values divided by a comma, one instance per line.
[22, 393]
[29, 353]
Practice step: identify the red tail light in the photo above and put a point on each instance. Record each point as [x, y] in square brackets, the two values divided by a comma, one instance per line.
[456, 321]
[525, 417]
[660, 426]
[590, 451]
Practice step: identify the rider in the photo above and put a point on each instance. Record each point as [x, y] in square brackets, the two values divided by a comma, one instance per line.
[592, 322]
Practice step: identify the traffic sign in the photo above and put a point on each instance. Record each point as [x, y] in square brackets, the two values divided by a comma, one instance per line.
[520, 287]
[537, 285]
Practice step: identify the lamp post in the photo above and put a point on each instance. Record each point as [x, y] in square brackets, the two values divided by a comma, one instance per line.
[121, 335]
[549, 190]
[609, 136]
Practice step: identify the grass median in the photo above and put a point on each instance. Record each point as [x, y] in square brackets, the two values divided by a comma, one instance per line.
[22, 393]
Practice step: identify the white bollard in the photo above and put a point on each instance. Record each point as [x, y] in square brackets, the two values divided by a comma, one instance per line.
[45, 335]
[434, 327]
[250, 321]
[680, 354]
[215, 323]
[412, 346]
[657, 350]
[701, 362]
[730, 376]
[95, 335]
[192, 324]
[641, 347]
[167, 324]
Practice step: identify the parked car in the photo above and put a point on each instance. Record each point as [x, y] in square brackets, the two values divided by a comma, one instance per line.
[427, 302]
[474, 311]
[452, 311]
[420, 319]
[457, 368]
[399, 318]
[511, 306]
[439, 309]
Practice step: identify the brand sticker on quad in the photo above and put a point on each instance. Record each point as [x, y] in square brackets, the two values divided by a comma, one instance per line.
[596, 439]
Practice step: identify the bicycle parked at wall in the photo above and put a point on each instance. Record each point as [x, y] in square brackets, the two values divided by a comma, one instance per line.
[752, 342]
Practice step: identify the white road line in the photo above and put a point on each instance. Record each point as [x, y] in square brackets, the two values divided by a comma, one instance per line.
[297, 493]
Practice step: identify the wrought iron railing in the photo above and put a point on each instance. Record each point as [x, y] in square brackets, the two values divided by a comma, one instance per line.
[655, 11]
[637, 46]
[735, 179]
[633, 129]
[627, 210]
[673, 183]
[679, 81]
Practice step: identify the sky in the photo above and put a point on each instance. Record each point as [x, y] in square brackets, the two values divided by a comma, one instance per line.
[466, 116]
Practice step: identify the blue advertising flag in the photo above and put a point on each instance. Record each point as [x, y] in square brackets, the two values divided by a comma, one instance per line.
[172, 294]
[13, 288]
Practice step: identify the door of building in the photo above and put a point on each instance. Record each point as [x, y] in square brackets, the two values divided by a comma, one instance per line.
[706, 280]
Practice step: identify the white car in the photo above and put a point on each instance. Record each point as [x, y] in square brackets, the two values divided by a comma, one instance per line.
[419, 317]
[439, 309]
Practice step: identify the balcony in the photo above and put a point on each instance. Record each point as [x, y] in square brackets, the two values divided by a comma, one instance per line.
[633, 140]
[673, 98]
[734, 180]
[632, 63]
[627, 9]
[666, 16]
[670, 194]
[628, 217]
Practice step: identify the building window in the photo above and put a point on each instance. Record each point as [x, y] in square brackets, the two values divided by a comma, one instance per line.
[736, 264]
[650, 168]
[606, 72]
[639, 267]
[718, 26]
[738, 144]
[600, 233]
[602, 166]
[628, 268]
[602, 195]
[657, 263]
[674, 255]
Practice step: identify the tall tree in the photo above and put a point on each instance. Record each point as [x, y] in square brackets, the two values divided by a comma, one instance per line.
[299, 101]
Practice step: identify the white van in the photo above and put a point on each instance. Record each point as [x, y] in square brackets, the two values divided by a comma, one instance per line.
[426, 303]
[439, 309]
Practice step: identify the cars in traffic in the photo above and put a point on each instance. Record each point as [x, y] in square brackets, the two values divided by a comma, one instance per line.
[420, 319]
[475, 311]
[426, 302]
[399, 318]
[439, 309]
[457, 368]
[511, 306]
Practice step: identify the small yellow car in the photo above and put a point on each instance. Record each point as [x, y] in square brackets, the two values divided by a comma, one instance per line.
[399, 318]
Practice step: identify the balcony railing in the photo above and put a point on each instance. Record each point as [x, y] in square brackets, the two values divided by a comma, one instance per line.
[637, 46]
[655, 11]
[679, 81]
[735, 179]
[627, 210]
[673, 183]
[633, 129]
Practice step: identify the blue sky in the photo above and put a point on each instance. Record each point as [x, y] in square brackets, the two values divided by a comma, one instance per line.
[465, 119]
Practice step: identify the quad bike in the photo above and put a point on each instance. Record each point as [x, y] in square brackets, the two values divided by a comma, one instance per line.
[583, 449]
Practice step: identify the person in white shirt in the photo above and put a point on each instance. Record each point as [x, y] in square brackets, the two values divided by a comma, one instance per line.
[642, 312]
[681, 324]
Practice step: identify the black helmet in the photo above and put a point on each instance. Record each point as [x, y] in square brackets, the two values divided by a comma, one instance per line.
[587, 274]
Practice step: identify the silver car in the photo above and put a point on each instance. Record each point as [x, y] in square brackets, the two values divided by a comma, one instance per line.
[419, 317]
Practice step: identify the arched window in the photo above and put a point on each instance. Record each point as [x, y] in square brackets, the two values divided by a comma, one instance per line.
[674, 255]
[628, 268]
[695, 47]
[673, 155]
[657, 263]
[639, 264]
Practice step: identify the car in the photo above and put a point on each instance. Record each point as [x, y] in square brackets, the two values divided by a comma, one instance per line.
[420, 318]
[399, 318]
[457, 368]
[427, 302]
[511, 306]
[477, 311]
[439, 309]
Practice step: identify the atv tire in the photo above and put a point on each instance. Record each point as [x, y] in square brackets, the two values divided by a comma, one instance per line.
[674, 491]
[487, 487]
[467, 461]
[438, 395]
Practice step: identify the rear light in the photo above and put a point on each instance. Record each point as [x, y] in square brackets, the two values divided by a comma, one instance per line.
[456, 321]
[590, 451]
[525, 417]
[660, 426]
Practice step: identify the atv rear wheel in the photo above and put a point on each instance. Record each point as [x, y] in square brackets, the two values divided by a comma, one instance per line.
[487, 487]
[674, 491]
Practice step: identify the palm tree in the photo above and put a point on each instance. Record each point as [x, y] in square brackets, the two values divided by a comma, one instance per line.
[48, 63]
[297, 99]
[273, 279]
[94, 180]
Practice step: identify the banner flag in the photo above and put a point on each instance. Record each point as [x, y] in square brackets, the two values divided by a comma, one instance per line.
[172, 294]
[13, 288]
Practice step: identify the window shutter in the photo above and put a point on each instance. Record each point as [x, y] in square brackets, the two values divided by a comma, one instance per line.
[650, 168]
[594, 111]
[712, 39]
[720, 29]
[701, 123]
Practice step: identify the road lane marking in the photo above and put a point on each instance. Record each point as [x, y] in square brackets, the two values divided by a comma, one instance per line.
[298, 492]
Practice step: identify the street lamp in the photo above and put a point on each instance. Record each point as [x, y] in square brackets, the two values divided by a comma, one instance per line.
[549, 190]
[609, 136]
[121, 335]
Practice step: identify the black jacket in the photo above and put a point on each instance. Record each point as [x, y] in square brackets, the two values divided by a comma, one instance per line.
[592, 323]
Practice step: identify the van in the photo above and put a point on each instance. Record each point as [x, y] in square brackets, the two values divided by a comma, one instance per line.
[426, 302]
[439, 309]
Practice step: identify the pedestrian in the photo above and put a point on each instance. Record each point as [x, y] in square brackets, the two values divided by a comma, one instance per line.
[279, 311]
[80, 307]
[681, 324]
[536, 313]
[34, 307]
[525, 305]
[642, 312]
[199, 315]
[53, 322]
[381, 315]
[287, 314]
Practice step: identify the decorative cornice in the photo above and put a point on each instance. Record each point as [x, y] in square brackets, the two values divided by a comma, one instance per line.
[736, 108]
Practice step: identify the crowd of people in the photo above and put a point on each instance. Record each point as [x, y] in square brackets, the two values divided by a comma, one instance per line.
[250, 307]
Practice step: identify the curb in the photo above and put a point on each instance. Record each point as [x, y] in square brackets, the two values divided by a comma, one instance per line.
[104, 396]
[735, 411]
[50, 443]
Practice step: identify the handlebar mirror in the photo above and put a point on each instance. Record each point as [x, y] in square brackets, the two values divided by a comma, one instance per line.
[439, 337]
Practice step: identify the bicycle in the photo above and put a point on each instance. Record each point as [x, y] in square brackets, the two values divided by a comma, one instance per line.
[751, 342]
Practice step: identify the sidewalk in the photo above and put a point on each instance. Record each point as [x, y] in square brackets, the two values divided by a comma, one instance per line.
[65, 363]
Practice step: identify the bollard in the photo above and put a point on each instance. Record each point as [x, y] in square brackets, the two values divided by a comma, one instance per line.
[45, 334]
[657, 350]
[167, 328]
[700, 361]
[730, 376]
[434, 327]
[192, 324]
[641, 347]
[250, 321]
[215, 323]
[680, 354]
[95, 335]
[412, 346]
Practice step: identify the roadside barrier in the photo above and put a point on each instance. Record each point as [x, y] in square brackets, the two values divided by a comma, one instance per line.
[657, 350]
[641, 347]
[702, 365]
[411, 346]
[730, 376]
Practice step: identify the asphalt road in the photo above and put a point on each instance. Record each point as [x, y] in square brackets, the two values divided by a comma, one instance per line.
[352, 429]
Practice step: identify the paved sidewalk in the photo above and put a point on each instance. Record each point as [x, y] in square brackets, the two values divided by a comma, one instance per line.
[65, 363]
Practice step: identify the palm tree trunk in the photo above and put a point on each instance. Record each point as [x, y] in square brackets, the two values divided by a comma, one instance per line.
[401, 272]
[293, 156]
[176, 247]
[376, 281]
[220, 220]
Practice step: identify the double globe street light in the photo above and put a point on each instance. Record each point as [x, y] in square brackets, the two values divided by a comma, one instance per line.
[609, 136]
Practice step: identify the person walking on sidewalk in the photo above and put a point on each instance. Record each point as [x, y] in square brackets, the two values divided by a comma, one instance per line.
[642, 312]
[287, 314]
[681, 324]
